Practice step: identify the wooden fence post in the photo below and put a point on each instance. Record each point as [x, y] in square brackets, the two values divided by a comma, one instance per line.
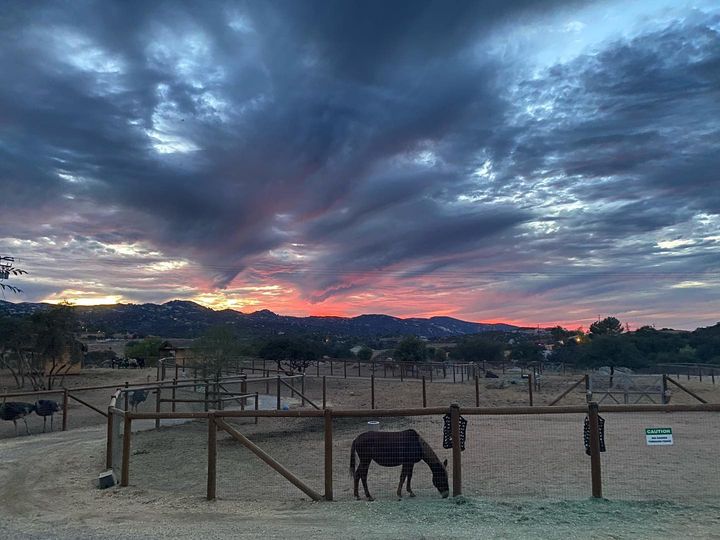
[212, 458]
[278, 393]
[454, 373]
[595, 450]
[158, 396]
[345, 369]
[266, 374]
[359, 373]
[663, 399]
[331, 367]
[127, 384]
[65, 409]
[302, 389]
[477, 391]
[424, 392]
[328, 455]
[174, 388]
[207, 395]
[457, 460]
[530, 388]
[125, 469]
[243, 391]
[109, 446]
[324, 393]
[317, 369]
[372, 391]
[257, 404]
[588, 390]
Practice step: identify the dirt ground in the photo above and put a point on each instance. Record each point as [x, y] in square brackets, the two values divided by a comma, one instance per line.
[523, 476]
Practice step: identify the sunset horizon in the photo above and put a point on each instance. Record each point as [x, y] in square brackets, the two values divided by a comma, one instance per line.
[536, 164]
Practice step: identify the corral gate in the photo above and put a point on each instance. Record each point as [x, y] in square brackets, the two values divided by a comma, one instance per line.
[624, 388]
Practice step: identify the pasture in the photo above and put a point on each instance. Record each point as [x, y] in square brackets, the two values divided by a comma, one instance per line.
[523, 476]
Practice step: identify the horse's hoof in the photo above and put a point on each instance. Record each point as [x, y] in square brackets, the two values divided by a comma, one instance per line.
[370, 499]
[411, 494]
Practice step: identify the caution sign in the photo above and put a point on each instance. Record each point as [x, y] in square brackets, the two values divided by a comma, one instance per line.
[658, 436]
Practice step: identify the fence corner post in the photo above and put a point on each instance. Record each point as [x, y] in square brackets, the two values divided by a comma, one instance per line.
[328, 455]
[595, 469]
[212, 458]
[456, 449]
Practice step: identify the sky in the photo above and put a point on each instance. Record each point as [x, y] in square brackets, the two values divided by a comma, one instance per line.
[530, 162]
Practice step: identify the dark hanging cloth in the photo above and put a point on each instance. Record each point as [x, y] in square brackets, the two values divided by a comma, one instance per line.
[447, 432]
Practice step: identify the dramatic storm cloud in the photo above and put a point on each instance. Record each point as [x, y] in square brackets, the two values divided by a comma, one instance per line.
[534, 162]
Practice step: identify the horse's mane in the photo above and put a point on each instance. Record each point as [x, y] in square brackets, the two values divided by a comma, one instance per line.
[428, 453]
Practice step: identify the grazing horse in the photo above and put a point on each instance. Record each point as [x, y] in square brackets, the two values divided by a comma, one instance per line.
[393, 448]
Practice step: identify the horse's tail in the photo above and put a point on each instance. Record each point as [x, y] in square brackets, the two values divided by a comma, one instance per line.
[352, 458]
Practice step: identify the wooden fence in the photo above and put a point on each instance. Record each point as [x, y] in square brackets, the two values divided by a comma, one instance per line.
[217, 419]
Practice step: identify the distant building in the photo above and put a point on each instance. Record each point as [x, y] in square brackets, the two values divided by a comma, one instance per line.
[180, 349]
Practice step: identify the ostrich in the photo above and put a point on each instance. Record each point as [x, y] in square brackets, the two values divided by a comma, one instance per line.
[16, 410]
[136, 398]
[45, 408]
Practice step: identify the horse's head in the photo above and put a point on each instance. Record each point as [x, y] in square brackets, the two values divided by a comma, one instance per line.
[440, 478]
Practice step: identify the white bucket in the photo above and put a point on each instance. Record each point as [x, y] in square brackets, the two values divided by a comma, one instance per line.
[373, 425]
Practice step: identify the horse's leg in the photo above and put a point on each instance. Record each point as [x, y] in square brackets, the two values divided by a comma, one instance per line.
[409, 478]
[44, 423]
[356, 479]
[362, 473]
[403, 474]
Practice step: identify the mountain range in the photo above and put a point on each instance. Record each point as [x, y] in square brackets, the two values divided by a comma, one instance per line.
[184, 319]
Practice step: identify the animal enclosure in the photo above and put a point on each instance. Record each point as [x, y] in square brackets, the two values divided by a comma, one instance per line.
[537, 453]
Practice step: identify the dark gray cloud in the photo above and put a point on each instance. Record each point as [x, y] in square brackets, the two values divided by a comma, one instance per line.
[319, 143]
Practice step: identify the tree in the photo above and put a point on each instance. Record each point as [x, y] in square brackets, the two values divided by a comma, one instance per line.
[148, 349]
[478, 349]
[54, 349]
[439, 355]
[7, 269]
[608, 350]
[217, 347]
[296, 354]
[526, 352]
[558, 333]
[410, 349]
[365, 353]
[609, 326]
[15, 344]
